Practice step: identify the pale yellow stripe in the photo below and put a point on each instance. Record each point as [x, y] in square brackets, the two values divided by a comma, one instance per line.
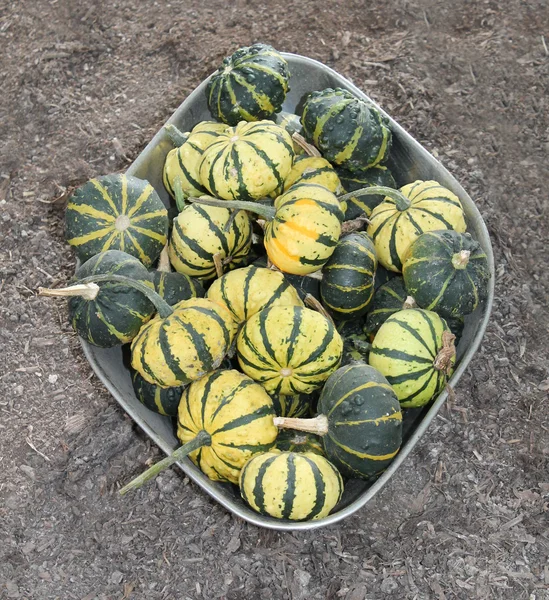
[142, 256]
[350, 148]
[365, 386]
[124, 195]
[108, 243]
[94, 235]
[139, 202]
[396, 415]
[150, 215]
[369, 456]
[86, 209]
[148, 232]
[105, 195]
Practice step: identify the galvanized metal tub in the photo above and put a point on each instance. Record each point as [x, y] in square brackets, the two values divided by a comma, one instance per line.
[409, 161]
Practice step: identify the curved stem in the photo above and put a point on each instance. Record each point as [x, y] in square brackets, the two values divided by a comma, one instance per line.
[402, 203]
[88, 291]
[267, 212]
[310, 150]
[177, 138]
[318, 425]
[202, 438]
[313, 303]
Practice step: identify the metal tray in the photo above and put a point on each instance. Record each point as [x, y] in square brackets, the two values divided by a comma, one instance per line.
[409, 161]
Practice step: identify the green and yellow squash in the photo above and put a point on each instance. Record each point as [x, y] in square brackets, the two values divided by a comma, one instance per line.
[303, 284]
[113, 313]
[312, 169]
[117, 212]
[181, 167]
[223, 420]
[173, 287]
[250, 85]
[359, 419]
[247, 162]
[348, 131]
[447, 272]
[414, 349]
[363, 205]
[289, 349]
[289, 440]
[183, 343]
[356, 344]
[402, 217]
[296, 405]
[250, 289]
[347, 286]
[389, 299]
[291, 485]
[202, 234]
[292, 124]
[163, 401]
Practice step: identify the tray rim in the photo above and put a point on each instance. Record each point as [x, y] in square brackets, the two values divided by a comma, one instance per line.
[187, 467]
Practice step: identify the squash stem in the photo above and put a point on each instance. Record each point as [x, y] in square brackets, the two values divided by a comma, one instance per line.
[267, 212]
[88, 291]
[202, 438]
[313, 303]
[318, 425]
[310, 150]
[179, 196]
[409, 303]
[402, 203]
[164, 261]
[444, 359]
[162, 307]
[460, 260]
[177, 138]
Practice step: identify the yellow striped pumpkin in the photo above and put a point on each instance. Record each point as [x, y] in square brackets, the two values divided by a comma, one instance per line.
[401, 218]
[185, 345]
[414, 350]
[200, 232]
[248, 290]
[117, 212]
[248, 161]
[312, 169]
[299, 486]
[289, 349]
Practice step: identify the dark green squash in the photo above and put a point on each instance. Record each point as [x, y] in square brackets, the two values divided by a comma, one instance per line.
[292, 124]
[356, 344]
[363, 205]
[359, 419]
[163, 401]
[117, 212]
[175, 287]
[390, 298]
[347, 286]
[288, 440]
[250, 85]
[348, 131]
[447, 272]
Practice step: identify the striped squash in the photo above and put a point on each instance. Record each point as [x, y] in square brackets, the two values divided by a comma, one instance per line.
[414, 350]
[363, 205]
[296, 405]
[200, 232]
[250, 85]
[389, 299]
[447, 272]
[288, 440]
[248, 290]
[347, 286]
[301, 283]
[356, 344]
[383, 276]
[117, 212]
[113, 313]
[175, 287]
[163, 401]
[292, 124]
[247, 161]
[185, 345]
[312, 169]
[291, 485]
[359, 419]
[289, 349]
[223, 420]
[398, 221]
[182, 163]
[348, 131]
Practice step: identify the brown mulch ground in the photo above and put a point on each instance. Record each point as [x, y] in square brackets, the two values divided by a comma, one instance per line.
[85, 85]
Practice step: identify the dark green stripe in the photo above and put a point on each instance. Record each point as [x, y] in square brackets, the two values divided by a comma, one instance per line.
[267, 160]
[420, 390]
[251, 346]
[220, 235]
[395, 258]
[229, 397]
[196, 184]
[211, 179]
[258, 492]
[320, 488]
[226, 298]
[169, 358]
[397, 379]
[328, 337]
[400, 355]
[263, 316]
[258, 413]
[242, 189]
[246, 290]
[212, 314]
[436, 216]
[426, 318]
[414, 334]
[206, 393]
[193, 245]
[198, 341]
[289, 493]
[294, 335]
[382, 225]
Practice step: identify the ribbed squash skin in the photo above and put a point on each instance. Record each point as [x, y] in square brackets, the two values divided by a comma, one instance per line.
[439, 280]
[312, 169]
[248, 290]
[184, 346]
[356, 344]
[291, 485]
[199, 232]
[248, 161]
[296, 405]
[238, 415]
[289, 349]
[433, 207]
[347, 131]
[117, 212]
[404, 350]
[118, 312]
[175, 287]
[288, 440]
[292, 124]
[163, 401]
[250, 85]
[302, 284]
[388, 300]
[363, 205]
[364, 421]
[182, 164]
[305, 229]
[347, 286]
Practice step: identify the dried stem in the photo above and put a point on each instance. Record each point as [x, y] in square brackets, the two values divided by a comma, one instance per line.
[318, 425]
[444, 359]
[302, 142]
[313, 303]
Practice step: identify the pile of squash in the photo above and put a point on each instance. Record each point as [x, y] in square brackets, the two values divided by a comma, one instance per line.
[287, 346]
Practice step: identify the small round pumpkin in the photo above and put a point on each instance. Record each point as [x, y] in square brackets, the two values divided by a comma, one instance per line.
[163, 401]
[289, 440]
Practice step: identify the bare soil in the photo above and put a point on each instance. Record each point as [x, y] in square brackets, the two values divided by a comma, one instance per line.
[85, 85]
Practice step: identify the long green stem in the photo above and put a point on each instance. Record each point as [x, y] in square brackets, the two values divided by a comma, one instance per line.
[87, 289]
[178, 138]
[402, 203]
[202, 438]
[267, 212]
